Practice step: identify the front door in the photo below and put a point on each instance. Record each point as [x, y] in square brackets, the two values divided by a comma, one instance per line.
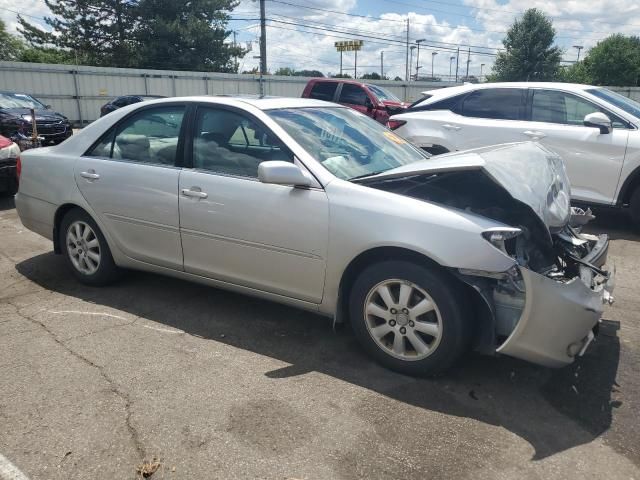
[236, 229]
[593, 159]
[130, 180]
[355, 96]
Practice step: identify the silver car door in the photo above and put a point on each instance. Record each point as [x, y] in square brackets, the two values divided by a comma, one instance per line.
[235, 228]
[130, 180]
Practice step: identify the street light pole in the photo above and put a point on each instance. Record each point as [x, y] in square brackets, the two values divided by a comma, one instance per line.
[481, 67]
[578, 47]
[418, 57]
[451, 58]
[413, 47]
[433, 56]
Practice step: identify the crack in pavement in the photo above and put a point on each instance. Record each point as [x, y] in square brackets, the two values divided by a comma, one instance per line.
[113, 386]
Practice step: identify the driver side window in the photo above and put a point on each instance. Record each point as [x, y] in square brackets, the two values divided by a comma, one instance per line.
[564, 108]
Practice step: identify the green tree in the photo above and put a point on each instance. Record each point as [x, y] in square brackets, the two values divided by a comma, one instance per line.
[579, 72]
[285, 71]
[529, 52]
[341, 75]
[614, 61]
[11, 47]
[97, 32]
[186, 35]
[308, 73]
[373, 76]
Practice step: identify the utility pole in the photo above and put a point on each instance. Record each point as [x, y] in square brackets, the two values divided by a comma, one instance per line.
[407, 54]
[457, 63]
[433, 57]
[263, 39]
[235, 56]
[450, 63]
[381, 64]
[418, 57]
[340, 63]
[578, 47]
[468, 62]
[355, 65]
[481, 67]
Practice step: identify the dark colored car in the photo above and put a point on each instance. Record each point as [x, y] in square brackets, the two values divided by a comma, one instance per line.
[372, 100]
[15, 119]
[125, 100]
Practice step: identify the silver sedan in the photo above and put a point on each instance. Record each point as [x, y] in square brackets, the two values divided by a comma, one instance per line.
[317, 206]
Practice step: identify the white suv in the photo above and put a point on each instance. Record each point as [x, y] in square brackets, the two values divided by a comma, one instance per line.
[594, 129]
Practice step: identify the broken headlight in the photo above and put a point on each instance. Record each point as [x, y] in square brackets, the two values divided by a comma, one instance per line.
[499, 235]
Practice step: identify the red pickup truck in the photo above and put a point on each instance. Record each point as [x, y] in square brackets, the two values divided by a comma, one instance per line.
[372, 100]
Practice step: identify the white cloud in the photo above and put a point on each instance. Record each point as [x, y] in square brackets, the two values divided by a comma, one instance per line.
[27, 8]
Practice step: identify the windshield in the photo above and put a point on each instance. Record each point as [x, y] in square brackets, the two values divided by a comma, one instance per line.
[347, 143]
[624, 103]
[383, 94]
[19, 100]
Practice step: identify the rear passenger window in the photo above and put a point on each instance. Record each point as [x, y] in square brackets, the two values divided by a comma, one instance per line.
[232, 144]
[353, 94]
[496, 103]
[324, 91]
[150, 136]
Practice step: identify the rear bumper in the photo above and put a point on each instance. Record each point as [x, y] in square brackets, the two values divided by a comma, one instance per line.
[558, 318]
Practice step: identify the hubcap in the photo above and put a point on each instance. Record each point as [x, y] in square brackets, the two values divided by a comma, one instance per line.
[403, 319]
[83, 247]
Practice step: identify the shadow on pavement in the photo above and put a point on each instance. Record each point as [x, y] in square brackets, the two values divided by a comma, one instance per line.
[553, 410]
[616, 223]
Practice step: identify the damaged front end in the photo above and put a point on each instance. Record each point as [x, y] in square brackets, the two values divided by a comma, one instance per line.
[546, 308]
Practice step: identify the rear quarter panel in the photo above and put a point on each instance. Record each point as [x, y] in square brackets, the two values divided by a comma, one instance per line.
[424, 129]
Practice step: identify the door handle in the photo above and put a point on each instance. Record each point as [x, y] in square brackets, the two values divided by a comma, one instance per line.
[90, 175]
[534, 134]
[451, 127]
[193, 193]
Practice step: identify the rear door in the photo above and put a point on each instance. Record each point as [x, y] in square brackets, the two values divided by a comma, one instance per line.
[485, 117]
[130, 180]
[324, 91]
[594, 160]
[242, 231]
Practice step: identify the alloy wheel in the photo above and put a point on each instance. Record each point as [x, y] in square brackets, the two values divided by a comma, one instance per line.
[83, 247]
[403, 319]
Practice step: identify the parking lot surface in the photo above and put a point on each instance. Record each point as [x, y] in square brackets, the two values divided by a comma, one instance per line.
[216, 385]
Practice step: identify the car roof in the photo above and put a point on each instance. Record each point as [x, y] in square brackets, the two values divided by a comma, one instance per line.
[263, 103]
[468, 87]
[338, 80]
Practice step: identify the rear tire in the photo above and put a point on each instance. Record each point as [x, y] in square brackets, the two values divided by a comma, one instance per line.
[86, 250]
[410, 318]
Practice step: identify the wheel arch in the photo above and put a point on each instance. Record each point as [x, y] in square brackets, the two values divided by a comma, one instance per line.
[628, 186]
[57, 221]
[379, 254]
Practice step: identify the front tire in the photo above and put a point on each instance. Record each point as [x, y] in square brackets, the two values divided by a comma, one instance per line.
[410, 318]
[86, 250]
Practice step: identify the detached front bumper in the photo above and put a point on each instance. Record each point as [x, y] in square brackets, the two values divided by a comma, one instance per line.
[558, 318]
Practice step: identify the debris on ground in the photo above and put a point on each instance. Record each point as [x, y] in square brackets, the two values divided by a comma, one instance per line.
[148, 468]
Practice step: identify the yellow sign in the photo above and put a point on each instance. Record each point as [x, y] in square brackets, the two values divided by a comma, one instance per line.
[349, 45]
[102, 92]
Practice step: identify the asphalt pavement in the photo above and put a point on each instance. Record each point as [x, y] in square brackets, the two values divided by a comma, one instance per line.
[198, 383]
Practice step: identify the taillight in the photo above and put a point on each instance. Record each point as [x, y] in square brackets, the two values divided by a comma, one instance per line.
[18, 168]
[393, 124]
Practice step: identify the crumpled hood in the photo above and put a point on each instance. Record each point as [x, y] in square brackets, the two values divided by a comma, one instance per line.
[529, 172]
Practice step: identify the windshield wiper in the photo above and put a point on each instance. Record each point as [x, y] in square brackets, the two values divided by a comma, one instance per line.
[358, 177]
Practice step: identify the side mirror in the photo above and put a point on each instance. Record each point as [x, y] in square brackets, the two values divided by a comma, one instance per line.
[282, 173]
[598, 120]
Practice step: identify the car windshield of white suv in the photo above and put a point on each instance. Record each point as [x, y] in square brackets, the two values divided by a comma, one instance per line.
[383, 94]
[630, 106]
[347, 143]
[19, 100]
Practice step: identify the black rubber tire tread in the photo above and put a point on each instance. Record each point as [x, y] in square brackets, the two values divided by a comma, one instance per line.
[634, 206]
[447, 294]
[108, 271]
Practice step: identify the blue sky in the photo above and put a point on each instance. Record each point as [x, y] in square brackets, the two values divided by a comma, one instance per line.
[443, 24]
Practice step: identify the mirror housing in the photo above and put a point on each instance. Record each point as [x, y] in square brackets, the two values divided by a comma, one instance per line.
[598, 120]
[282, 173]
